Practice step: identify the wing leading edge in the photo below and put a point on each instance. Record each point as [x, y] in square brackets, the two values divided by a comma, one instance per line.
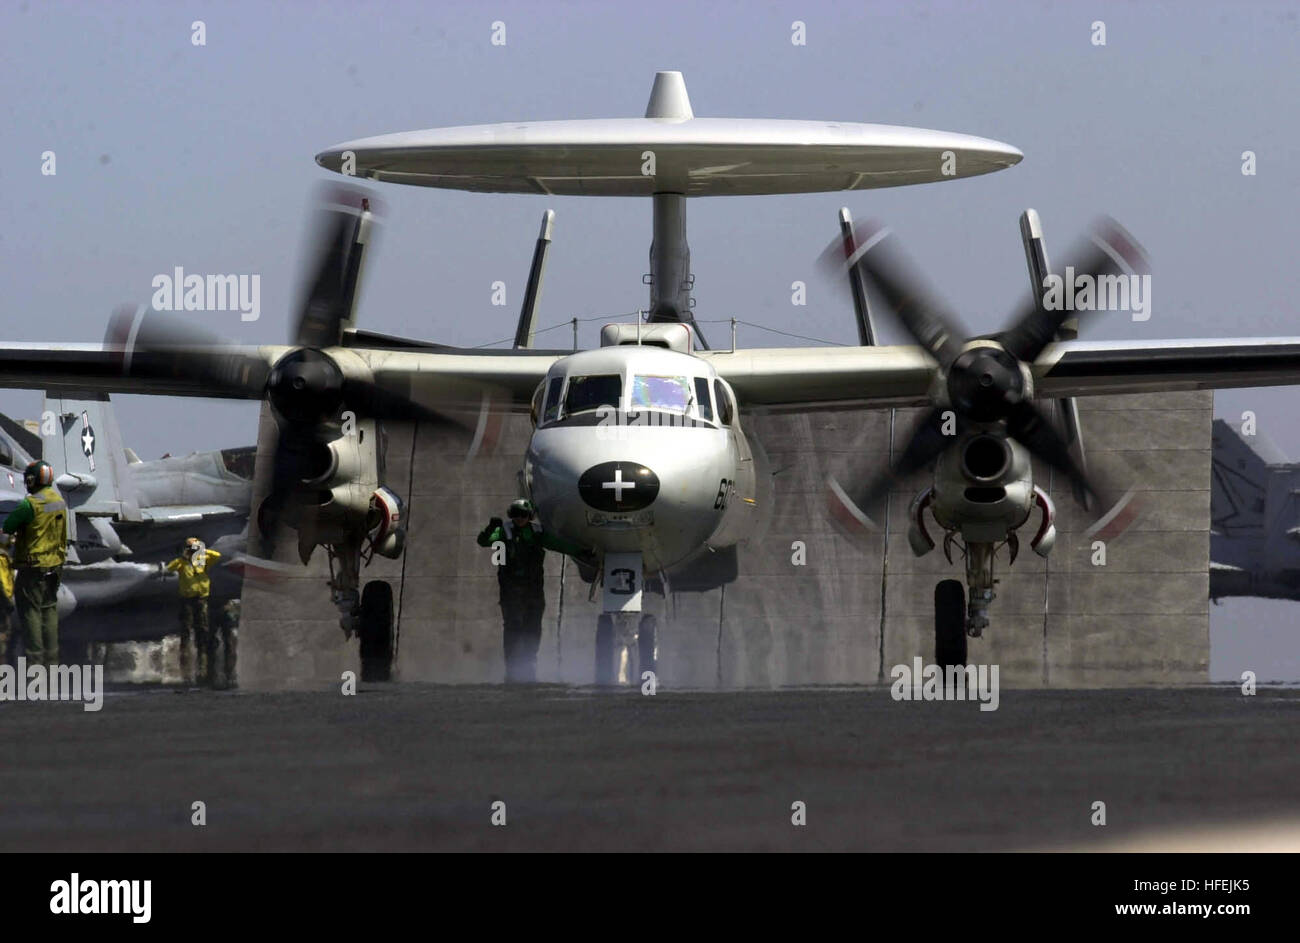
[768, 378]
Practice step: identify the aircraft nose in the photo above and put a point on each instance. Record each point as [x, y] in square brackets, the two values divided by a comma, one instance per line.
[618, 486]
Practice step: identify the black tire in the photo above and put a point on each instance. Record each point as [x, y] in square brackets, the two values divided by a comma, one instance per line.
[376, 631]
[605, 649]
[646, 638]
[949, 623]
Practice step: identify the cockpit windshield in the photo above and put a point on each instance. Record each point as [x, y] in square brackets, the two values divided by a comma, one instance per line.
[588, 393]
[240, 462]
[670, 393]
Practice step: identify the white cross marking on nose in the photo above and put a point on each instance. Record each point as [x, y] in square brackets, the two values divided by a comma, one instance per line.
[618, 484]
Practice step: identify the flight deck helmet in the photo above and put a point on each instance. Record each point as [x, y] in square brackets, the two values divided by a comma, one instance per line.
[38, 475]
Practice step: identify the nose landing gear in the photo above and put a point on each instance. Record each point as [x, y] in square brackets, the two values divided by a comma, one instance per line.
[626, 647]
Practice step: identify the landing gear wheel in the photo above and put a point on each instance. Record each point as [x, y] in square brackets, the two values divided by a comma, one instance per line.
[949, 623]
[646, 641]
[605, 649]
[376, 631]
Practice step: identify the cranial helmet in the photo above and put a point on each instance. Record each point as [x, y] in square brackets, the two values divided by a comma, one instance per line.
[521, 506]
[38, 475]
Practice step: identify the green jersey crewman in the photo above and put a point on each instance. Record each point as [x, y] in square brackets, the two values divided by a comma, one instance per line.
[520, 577]
[40, 527]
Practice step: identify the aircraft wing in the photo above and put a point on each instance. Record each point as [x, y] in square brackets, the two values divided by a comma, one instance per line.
[770, 378]
[430, 377]
[68, 368]
[830, 376]
[773, 378]
[1087, 368]
[506, 378]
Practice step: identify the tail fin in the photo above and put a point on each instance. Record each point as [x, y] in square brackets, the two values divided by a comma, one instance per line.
[81, 439]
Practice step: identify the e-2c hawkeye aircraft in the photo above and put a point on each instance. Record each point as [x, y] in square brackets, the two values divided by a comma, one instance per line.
[650, 496]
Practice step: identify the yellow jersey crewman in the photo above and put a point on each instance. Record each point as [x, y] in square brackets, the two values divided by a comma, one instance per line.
[40, 526]
[6, 595]
[195, 585]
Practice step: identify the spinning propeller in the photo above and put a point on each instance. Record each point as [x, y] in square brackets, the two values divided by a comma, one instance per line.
[982, 380]
[308, 388]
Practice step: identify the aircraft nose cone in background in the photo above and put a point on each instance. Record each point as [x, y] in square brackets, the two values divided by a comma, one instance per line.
[618, 486]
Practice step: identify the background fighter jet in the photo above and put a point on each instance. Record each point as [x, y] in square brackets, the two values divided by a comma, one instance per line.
[128, 516]
[1255, 519]
[680, 486]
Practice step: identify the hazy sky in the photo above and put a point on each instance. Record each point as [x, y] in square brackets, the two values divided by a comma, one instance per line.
[170, 154]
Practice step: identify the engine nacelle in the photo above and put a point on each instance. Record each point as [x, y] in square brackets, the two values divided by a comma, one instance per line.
[983, 487]
[337, 471]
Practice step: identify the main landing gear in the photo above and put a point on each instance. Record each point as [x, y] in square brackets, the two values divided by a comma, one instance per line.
[375, 629]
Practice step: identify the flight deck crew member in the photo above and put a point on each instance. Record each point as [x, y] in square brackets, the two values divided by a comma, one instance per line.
[228, 622]
[40, 527]
[6, 595]
[520, 579]
[195, 584]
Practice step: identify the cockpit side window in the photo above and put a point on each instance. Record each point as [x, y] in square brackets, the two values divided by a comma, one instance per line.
[553, 399]
[588, 393]
[724, 403]
[669, 393]
[702, 402]
[535, 407]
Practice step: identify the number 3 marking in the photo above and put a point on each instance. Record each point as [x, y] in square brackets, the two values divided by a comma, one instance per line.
[623, 581]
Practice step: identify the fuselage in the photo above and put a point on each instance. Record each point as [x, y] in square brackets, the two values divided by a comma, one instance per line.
[638, 448]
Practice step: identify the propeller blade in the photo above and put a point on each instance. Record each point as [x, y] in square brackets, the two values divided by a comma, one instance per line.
[904, 291]
[1109, 250]
[329, 294]
[1073, 430]
[305, 385]
[373, 400]
[1028, 426]
[156, 346]
[1031, 235]
[856, 502]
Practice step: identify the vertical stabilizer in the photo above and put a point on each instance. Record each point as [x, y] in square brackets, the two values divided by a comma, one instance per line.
[88, 455]
[526, 331]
